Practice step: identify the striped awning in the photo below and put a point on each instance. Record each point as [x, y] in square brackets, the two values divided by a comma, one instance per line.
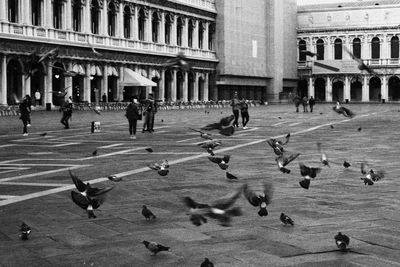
[112, 71]
[95, 70]
[78, 69]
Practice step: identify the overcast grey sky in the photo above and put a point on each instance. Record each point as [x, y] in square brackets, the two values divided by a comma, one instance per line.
[308, 2]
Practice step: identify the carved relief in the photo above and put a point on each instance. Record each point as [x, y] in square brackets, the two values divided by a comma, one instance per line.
[310, 19]
[329, 18]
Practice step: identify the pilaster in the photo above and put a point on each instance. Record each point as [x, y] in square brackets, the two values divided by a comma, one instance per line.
[196, 87]
[173, 85]
[311, 88]
[365, 90]
[3, 82]
[206, 84]
[328, 89]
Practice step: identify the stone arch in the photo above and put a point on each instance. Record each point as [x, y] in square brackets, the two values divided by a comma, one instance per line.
[319, 89]
[356, 89]
[394, 88]
[14, 81]
[375, 88]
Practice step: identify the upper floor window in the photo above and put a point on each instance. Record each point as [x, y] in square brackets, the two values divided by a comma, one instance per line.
[95, 17]
[141, 21]
[394, 47]
[320, 49]
[12, 11]
[201, 34]
[338, 49]
[127, 22]
[211, 34]
[112, 17]
[302, 48]
[357, 47]
[190, 32]
[57, 14]
[36, 12]
[77, 15]
[155, 26]
[179, 31]
[375, 47]
[168, 25]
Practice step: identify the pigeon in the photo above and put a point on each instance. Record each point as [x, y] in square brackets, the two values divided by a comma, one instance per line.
[162, 120]
[342, 110]
[227, 131]
[286, 219]
[147, 213]
[332, 126]
[307, 173]
[155, 247]
[114, 178]
[202, 134]
[93, 49]
[367, 181]
[342, 241]
[277, 145]
[180, 61]
[346, 164]
[222, 162]
[65, 73]
[51, 54]
[282, 161]
[25, 231]
[43, 134]
[87, 190]
[210, 145]
[308, 53]
[324, 159]
[371, 176]
[149, 149]
[259, 200]
[231, 176]
[361, 64]
[161, 168]
[206, 263]
[224, 122]
[87, 203]
[359, 129]
[94, 153]
[220, 210]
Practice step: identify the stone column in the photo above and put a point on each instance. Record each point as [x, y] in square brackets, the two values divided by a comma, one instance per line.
[185, 87]
[86, 85]
[196, 87]
[47, 15]
[328, 89]
[48, 96]
[104, 87]
[132, 24]
[347, 45]
[149, 27]
[136, 24]
[24, 7]
[120, 92]
[384, 48]
[161, 86]
[68, 82]
[86, 19]
[68, 16]
[205, 91]
[205, 36]
[185, 33]
[346, 89]
[104, 20]
[173, 31]
[311, 88]
[162, 29]
[365, 89]
[3, 12]
[366, 49]
[120, 22]
[3, 83]
[384, 88]
[26, 84]
[173, 85]
[329, 50]
[196, 35]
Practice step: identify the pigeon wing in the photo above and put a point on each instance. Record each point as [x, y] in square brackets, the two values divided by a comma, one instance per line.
[268, 192]
[193, 204]
[98, 192]
[227, 158]
[81, 186]
[226, 203]
[251, 196]
[304, 170]
[215, 159]
[80, 200]
[290, 158]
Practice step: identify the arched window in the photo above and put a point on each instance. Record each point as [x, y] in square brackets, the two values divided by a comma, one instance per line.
[127, 22]
[12, 11]
[95, 17]
[141, 20]
[112, 17]
[168, 24]
[36, 12]
[57, 14]
[211, 34]
[201, 34]
[190, 33]
[357, 47]
[76, 15]
[320, 49]
[375, 48]
[179, 30]
[338, 49]
[302, 48]
[394, 47]
[155, 25]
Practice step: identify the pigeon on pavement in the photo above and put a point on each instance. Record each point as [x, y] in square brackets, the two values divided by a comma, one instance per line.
[87, 203]
[286, 219]
[283, 160]
[114, 178]
[155, 247]
[147, 213]
[307, 173]
[161, 168]
[43, 134]
[221, 161]
[224, 122]
[94, 153]
[342, 241]
[207, 263]
[342, 110]
[371, 176]
[259, 200]
[25, 231]
[202, 134]
[149, 149]
[346, 164]
[231, 176]
[324, 158]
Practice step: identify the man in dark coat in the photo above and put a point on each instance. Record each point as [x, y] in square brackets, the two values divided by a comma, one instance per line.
[133, 114]
[24, 109]
[66, 109]
[150, 109]
[311, 102]
[297, 101]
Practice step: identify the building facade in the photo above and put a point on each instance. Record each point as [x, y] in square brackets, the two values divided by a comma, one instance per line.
[339, 34]
[89, 43]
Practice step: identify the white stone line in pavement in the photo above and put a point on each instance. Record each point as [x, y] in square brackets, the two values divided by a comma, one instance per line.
[65, 144]
[12, 169]
[296, 123]
[8, 145]
[143, 169]
[279, 123]
[112, 153]
[34, 184]
[6, 196]
[112, 145]
[188, 139]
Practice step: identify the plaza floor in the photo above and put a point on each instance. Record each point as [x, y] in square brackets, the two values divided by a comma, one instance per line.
[35, 188]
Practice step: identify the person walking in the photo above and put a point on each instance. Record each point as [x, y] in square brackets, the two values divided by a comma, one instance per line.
[296, 101]
[133, 114]
[244, 111]
[150, 109]
[66, 109]
[235, 103]
[25, 116]
[304, 101]
[311, 102]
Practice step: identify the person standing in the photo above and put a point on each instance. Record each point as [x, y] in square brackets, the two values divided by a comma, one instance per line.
[150, 109]
[244, 111]
[296, 101]
[25, 116]
[304, 101]
[132, 114]
[235, 103]
[311, 102]
[66, 109]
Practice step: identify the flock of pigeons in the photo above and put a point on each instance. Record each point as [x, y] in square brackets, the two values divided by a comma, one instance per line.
[222, 210]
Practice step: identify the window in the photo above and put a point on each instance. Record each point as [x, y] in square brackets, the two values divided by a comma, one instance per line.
[201, 34]
[375, 48]
[179, 30]
[168, 24]
[112, 16]
[211, 32]
[76, 15]
[127, 22]
[57, 14]
[141, 20]
[36, 12]
[155, 22]
[95, 16]
[357, 47]
[302, 48]
[394, 47]
[12, 11]
[190, 33]
[338, 48]
[320, 49]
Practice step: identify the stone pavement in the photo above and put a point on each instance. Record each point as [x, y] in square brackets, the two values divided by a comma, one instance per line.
[35, 188]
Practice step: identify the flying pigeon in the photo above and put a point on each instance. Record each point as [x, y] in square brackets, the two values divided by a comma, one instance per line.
[66, 73]
[308, 53]
[342, 110]
[94, 153]
[220, 210]
[207, 263]
[51, 54]
[149, 149]
[307, 173]
[342, 241]
[231, 176]
[222, 162]
[114, 178]
[227, 131]
[87, 190]
[25, 231]
[202, 134]
[324, 158]
[161, 168]
[286, 219]
[87, 203]
[180, 61]
[210, 145]
[277, 145]
[361, 64]
[147, 213]
[155, 247]
[282, 161]
[259, 200]
[346, 164]
[371, 176]
[226, 121]
[93, 49]
[43, 134]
